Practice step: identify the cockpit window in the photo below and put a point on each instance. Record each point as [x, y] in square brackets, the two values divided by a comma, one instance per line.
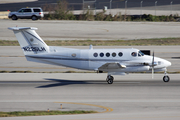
[134, 54]
[140, 54]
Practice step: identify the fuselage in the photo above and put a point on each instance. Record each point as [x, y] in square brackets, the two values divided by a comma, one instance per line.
[92, 59]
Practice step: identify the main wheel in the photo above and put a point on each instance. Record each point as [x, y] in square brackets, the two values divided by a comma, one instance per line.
[110, 79]
[34, 17]
[14, 17]
[166, 78]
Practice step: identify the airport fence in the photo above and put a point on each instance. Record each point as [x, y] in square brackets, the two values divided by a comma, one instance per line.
[62, 12]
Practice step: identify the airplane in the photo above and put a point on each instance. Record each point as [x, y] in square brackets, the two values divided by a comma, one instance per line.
[112, 61]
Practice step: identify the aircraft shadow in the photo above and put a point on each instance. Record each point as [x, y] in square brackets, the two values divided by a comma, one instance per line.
[61, 82]
[175, 57]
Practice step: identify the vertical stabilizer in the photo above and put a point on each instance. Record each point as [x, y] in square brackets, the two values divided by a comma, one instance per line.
[29, 40]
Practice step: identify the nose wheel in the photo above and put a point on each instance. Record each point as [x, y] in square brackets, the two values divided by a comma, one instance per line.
[166, 77]
[110, 79]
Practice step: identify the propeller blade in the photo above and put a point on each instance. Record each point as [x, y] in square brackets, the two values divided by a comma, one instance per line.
[153, 66]
[152, 72]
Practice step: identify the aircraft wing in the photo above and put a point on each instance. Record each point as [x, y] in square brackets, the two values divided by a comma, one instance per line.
[111, 66]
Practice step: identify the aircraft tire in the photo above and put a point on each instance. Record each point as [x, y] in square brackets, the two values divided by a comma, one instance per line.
[110, 79]
[166, 79]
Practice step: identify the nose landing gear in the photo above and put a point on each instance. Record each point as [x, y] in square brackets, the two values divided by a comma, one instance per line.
[166, 77]
[110, 79]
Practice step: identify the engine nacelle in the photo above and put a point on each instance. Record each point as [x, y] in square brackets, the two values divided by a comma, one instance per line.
[137, 69]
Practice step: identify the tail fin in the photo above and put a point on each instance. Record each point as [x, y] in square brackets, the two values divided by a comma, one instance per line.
[29, 40]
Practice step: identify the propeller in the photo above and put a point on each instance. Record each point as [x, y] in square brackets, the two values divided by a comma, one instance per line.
[153, 66]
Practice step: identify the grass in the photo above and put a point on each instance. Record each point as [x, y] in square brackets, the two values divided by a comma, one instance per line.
[140, 42]
[8, 43]
[41, 113]
[4, 71]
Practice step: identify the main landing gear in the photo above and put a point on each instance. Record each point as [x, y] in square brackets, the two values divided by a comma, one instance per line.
[166, 77]
[110, 79]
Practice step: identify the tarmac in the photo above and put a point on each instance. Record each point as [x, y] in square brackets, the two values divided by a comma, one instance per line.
[93, 30]
[135, 96]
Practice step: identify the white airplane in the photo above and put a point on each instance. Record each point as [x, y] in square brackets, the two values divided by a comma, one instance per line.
[112, 61]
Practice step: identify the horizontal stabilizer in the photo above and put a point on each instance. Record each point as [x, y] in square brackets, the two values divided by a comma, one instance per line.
[22, 28]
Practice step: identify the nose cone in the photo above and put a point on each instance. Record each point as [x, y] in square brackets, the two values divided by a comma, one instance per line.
[167, 63]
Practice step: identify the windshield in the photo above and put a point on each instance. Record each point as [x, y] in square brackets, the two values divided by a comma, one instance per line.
[140, 53]
[21, 10]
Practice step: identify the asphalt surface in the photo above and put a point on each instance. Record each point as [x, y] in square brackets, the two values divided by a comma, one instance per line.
[135, 96]
[77, 5]
[93, 30]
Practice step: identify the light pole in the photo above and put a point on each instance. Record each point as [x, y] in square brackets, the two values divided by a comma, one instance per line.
[110, 6]
[155, 7]
[125, 6]
[83, 4]
[141, 7]
[94, 7]
[171, 6]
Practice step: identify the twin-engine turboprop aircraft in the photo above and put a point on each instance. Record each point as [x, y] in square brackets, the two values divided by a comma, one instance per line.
[113, 61]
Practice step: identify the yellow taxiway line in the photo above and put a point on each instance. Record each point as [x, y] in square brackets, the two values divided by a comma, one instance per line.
[107, 109]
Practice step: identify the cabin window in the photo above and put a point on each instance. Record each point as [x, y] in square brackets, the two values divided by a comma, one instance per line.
[95, 54]
[107, 54]
[120, 54]
[102, 54]
[134, 54]
[114, 54]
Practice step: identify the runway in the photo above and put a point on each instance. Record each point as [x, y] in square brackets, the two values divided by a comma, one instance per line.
[93, 30]
[135, 96]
